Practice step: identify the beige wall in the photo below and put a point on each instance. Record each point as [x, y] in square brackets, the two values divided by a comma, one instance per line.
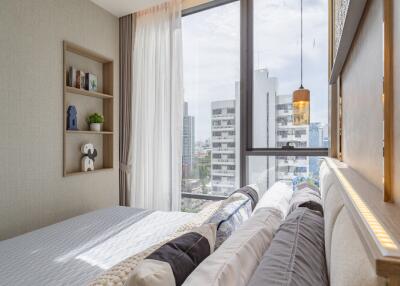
[362, 100]
[33, 192]
[396, 42]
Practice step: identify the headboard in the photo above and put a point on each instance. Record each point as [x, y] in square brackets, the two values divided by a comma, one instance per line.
[361, 231]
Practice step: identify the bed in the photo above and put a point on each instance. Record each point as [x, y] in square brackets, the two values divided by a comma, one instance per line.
[76, 251]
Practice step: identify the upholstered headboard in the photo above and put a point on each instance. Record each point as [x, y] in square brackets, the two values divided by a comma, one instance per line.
[362, 246]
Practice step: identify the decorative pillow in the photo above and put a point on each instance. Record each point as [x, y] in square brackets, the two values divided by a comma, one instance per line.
[118, 274]
[278, 197]
[251, 192]
[174, 261]
[296, 255]
[306, 195]
[237, 258]
[235, 210]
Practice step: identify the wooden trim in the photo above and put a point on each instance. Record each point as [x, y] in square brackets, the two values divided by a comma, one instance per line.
[333, 121]
[65, 45]
[340, 117]
[388, 99]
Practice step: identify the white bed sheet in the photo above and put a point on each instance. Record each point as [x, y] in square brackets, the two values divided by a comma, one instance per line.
[76, 251]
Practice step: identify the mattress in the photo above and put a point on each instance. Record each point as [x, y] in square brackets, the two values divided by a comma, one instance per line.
[76, 251]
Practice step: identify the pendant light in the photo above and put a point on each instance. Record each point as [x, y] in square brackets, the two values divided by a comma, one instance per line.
[301, 96]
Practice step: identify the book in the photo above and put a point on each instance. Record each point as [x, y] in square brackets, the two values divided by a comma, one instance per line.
[90, 82]
[80, 79]
[72, 77]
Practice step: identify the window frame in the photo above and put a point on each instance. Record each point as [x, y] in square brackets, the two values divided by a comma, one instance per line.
[246, 94]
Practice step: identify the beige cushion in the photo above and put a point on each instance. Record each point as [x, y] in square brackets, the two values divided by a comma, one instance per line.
[235, 261]
[333, 205]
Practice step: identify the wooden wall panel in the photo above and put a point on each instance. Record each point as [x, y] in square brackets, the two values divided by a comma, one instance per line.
[362, 90]
[396, 105]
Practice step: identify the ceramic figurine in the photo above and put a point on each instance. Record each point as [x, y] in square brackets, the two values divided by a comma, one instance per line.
[89, 155]
[72, 120]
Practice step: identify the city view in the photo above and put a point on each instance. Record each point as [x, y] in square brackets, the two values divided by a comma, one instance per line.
[211, 122]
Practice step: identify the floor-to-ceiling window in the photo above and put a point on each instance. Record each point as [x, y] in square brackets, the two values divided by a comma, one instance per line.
[276, 73]
[256, 44]
[211, 65]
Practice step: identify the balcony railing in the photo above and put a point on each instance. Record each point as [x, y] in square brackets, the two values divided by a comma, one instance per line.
[223, 173]
[224, 161]
[224, 150]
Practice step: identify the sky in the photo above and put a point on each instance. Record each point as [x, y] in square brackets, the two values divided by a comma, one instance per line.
[211, 54]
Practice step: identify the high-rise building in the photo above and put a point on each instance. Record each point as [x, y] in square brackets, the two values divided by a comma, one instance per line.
[273, 129]
[224, 160]
[318, 139]
[188, 144]
[289, 167]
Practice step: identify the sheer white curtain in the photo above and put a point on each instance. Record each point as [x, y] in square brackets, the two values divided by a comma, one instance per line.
[157, 108]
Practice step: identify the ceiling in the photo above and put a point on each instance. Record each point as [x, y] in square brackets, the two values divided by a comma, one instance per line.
[121, 8]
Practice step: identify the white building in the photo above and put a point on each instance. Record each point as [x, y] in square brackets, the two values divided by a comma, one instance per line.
[274, 129]
[224, 155]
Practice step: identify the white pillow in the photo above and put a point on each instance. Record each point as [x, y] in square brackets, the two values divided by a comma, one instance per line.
[234, 262]
[277, 197]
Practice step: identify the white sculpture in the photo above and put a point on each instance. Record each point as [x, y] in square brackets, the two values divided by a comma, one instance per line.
[89, 155]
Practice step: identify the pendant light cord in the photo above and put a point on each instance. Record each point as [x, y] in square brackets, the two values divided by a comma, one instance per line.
[301, 45]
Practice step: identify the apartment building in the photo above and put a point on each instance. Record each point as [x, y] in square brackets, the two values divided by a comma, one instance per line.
[224, 156]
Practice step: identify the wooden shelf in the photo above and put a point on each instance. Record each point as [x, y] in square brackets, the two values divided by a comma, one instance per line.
[89, 132]
[93, 62]
[74, 90]
[89, 172]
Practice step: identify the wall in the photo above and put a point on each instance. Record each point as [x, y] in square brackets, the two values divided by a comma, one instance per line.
[33, 192]
[396, 56]
[362, 101]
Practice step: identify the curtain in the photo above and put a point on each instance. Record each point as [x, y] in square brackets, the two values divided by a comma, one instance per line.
[125, 104]
[157, 108]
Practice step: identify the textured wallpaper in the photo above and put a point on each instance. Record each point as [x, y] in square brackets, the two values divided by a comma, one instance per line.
[341, 7]
[33, 192]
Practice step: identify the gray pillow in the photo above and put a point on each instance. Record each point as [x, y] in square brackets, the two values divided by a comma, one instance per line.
[296, 255]
[306, 196]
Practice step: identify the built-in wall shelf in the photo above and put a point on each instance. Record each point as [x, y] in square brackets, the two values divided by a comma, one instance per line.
[89, 172]
[89, 132]
[88, 102]
[74, 90]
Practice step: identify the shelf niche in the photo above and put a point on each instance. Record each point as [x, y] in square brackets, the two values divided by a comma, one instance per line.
[86, 103]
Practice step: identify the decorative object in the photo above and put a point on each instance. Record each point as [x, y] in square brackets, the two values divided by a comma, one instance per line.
[72, 120]
[72, 77]
[80, 79]
[95, 120]
[90, 82]
[301, 96]
[89, 155]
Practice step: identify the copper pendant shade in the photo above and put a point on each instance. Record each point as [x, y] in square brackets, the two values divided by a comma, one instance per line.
[301, 96]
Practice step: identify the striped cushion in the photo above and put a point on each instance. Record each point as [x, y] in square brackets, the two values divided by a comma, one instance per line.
[172, 263]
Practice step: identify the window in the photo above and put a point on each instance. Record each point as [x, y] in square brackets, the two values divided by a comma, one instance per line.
[218, 155]
[275, 75]
[276, 65]
[211, 65]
